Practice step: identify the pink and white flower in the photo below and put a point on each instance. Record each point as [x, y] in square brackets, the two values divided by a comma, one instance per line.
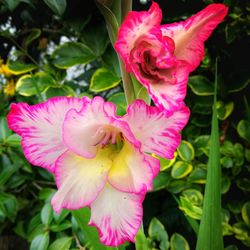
[162, 56]
[99, 159]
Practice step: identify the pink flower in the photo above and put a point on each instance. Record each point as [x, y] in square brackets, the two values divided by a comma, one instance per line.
[162, 56]
[99, 159]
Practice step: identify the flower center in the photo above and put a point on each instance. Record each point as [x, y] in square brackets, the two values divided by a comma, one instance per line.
[108, 135]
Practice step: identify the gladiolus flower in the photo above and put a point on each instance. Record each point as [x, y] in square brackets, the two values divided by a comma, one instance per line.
[99, 159]
[162, 56]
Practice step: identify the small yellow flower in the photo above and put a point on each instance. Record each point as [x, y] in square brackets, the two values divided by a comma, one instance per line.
[4, 69]
[9, 88]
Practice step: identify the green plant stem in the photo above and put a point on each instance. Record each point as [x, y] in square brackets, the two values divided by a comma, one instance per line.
[127, 83]
[210, 231]
[126, 6]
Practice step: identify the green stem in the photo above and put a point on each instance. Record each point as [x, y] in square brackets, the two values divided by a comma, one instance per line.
[126, 6]
[127, 83]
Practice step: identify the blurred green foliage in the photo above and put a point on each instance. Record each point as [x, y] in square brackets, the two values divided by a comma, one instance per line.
[61, 48]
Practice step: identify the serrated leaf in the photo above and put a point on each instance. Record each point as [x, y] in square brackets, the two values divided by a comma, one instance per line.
[57, 6]
[103, 79]
[72, 53]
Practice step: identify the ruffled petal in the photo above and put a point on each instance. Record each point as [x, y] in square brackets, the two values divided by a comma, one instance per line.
[157, 130]
[117, 215]
[130, 171]
[189, 36]
[168, 95]
[40, 127]
[135, 25]
[79, 180]
[85, 131]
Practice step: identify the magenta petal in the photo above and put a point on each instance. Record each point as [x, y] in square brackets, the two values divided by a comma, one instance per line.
[135, 25]
[189, 36]
[40, 127]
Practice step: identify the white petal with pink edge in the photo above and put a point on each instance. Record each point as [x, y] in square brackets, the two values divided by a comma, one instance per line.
[40, 127]
[79, 180]
[189, 36]
[135, 25]
[157, 130]
[117, 215]
[130, 171]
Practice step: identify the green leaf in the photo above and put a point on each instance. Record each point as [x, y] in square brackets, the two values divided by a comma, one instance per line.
[13, 140]
[72, 53]
[40, 242]
[5, 132]
[198, 175]
[141, 242]
[61, 244]
[120, 101]
[82, 217]
[46, 214]
[190, 209]
[165, 163]
[8, 205]
[178, 242]
[225, 184]
[224, 110]
[211, 215]
[57, 6]
[103, 79]
[243, 129]
[227, 162]
[200, 85]
[243, 184]
[186, 151]
[19, 68]
[176, 186]
[245, 212]
[12, 4]
[29, 85]
[110, 19]
[95, 37]
[61, 227]
[33, 35]
[59, 217]
[181, 169]
[157, 232]
[161, 181]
